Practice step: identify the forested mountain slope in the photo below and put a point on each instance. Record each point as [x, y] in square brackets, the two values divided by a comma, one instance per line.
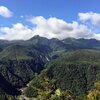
[75, 71]
[21, 60]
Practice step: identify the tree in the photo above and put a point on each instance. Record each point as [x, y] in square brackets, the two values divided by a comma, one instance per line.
[94, 94]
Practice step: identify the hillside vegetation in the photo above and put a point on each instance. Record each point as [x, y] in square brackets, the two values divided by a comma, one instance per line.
[73, 64]
[73, 75]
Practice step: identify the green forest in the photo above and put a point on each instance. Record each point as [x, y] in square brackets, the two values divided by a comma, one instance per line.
[50, 69]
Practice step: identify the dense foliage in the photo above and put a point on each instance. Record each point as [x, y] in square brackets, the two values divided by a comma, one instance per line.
[76, 72]
[67, 71]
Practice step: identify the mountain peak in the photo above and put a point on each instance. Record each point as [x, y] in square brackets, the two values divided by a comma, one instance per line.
[37, 37]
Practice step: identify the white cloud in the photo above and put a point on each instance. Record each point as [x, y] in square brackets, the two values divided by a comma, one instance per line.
[5, 12]
[49, 28]
[53, 27]
[17, 32]
[94, 18]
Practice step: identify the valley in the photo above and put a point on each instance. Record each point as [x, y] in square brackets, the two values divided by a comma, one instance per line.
[58, 69]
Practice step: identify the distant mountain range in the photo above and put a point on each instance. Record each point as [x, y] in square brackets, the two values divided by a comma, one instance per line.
[21, 60]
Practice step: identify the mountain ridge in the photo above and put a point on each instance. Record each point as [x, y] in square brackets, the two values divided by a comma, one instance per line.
[21, 60]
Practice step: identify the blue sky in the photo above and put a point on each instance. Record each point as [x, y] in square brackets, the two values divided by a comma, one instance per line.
[66, 10]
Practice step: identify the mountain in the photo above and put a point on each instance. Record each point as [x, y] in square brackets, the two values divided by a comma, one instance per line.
[4, 42]
[21, 60]
[5, 86]
[83, 43]
[75, 71]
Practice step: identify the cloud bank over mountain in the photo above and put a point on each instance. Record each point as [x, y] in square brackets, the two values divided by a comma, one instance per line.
[58, 28]
[51, 28]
